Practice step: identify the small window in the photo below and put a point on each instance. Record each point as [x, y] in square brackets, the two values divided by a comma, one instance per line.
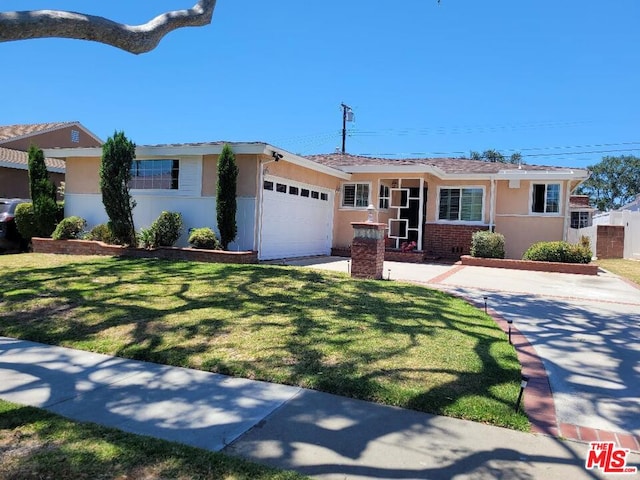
[324, 196]
[281, 187]
[580, 219]
[315, 194]
[293, 190]
[268, 185]
[545, 198]
[304, 192]
[355, 195]
[383, 203]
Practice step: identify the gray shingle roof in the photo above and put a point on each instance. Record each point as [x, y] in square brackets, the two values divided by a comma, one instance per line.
[448, 165]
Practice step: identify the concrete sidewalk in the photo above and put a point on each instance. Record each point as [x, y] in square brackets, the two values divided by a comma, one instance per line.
[314, 433]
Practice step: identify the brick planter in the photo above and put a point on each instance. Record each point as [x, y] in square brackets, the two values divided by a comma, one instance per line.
[86, 247]
[579, 268]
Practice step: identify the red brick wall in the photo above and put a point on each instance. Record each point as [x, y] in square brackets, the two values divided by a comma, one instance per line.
[448, 241]
[577, 268]
[367, 250]
[610, 241]
[84, 247]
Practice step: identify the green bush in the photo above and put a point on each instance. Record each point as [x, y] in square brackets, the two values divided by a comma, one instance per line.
[167, 228]
[204, 238]
[69, 228]
[26, 221]
[147, 238]
[487, 244]
[562, 252]
[100, 233]
[29, 225]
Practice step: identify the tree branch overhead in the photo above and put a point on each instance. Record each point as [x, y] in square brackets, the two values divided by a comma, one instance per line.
[131, 38]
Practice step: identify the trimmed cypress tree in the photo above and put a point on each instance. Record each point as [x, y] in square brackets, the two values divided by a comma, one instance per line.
[118, 154]
[43, 193]
[226, 196]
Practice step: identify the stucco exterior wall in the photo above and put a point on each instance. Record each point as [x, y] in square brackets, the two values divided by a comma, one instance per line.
[247, 170]
[14, 182]
[297, 173]
[58, 138]
[520, 232]
[513, 201]
[82, 175]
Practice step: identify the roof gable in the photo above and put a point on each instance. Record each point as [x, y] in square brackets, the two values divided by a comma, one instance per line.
[11, 133]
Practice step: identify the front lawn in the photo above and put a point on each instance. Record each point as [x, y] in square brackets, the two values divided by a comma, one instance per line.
[387, 342]
[629, 269]
[35, 444]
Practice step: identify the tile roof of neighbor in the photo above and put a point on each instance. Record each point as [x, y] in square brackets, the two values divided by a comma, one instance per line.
[448, 165]
[20, 159]
[9, 132]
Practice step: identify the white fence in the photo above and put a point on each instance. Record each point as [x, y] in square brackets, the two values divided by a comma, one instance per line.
[631, 222]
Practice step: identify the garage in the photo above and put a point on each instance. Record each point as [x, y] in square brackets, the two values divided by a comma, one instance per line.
[296, 220]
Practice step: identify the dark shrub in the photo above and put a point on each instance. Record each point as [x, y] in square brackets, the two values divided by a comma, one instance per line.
[487, 244]
[26, 221]
[167, 229]
[100, 233]
[562, 252]
[204, 238]
[69, 228]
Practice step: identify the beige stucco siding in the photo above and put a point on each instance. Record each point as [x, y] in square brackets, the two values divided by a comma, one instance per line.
[521, 232]
[82, 175]
[14, 182]
[300, 174]
[247, 174]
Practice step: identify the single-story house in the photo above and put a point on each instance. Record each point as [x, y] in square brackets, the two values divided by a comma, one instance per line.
[14, 144]
[290, 205]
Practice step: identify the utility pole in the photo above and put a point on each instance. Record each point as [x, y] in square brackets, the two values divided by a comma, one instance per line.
[347, 116]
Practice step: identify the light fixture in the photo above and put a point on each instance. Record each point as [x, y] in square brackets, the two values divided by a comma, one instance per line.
[371, 210]
[485, 304]
[510, 322]
[276, 156]
[523, 384]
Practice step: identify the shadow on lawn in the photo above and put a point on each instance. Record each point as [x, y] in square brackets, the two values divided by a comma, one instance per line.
[117, 292]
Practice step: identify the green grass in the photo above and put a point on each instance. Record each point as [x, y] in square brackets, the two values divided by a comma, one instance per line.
[35, 444]
[629, 269]
[387, 342]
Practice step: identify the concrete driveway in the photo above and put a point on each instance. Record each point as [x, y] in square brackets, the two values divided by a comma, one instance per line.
[586, 330]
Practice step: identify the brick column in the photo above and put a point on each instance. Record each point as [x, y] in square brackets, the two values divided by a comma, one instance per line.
[367, 250]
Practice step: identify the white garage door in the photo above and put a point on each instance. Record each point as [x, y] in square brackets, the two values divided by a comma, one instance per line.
[297, 219]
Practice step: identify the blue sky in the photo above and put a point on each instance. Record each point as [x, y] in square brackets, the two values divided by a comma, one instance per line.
[552, 79]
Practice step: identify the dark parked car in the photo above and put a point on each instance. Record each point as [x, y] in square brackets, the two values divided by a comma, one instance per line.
[10, 239]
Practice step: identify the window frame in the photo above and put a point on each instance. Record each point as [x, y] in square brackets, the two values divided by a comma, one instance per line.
[580, 214]
[461, 188]
[384, 197]
[355, 196]
[176, 166]
[546, 191]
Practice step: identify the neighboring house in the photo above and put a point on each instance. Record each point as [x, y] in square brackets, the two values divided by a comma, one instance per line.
[289, 205]
[15, 141]
[633, 206]
[581, 211]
